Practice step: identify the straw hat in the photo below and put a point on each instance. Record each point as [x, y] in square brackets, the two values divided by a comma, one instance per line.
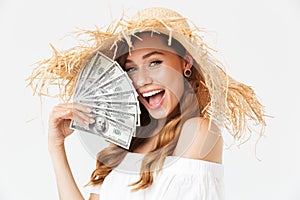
[230, 100]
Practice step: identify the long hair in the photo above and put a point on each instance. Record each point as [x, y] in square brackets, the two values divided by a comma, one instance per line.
[192, 104]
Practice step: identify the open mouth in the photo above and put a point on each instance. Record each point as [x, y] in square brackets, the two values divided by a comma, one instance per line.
[154, 98]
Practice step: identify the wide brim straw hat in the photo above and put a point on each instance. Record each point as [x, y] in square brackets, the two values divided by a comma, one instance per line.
[232, 103]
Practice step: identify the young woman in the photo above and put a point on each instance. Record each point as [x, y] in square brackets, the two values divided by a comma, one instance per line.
[186, 101]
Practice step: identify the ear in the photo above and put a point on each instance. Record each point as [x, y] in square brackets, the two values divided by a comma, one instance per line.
[188, 61]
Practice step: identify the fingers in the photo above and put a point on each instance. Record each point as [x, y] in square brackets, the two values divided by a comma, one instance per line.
[77, 106]
[82, 118]
[69, 111]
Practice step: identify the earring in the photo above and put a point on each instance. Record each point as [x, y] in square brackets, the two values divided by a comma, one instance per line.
[187, 73]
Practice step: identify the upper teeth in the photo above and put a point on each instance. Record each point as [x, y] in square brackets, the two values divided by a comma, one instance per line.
[148, 94]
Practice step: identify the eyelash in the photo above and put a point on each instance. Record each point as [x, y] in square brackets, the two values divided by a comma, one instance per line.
[156, 62]
[129, 69]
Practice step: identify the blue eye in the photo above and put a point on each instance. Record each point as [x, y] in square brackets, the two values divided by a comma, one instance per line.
[155, 63]
[130, 69]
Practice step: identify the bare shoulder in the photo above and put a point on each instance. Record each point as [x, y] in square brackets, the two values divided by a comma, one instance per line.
[199, 139]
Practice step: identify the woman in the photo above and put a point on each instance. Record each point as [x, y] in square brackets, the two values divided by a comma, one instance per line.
[186, 100]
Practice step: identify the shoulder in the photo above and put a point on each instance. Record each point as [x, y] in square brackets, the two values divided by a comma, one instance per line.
[200, 139]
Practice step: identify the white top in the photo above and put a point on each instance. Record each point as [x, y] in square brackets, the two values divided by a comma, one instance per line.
[180, 179]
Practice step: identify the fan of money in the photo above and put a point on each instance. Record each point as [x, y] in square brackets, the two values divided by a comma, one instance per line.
[108, 91]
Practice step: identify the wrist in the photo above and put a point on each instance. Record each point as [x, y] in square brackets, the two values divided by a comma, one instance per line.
[52, 148]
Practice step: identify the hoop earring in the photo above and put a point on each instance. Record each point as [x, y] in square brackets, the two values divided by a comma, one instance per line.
[187, 73]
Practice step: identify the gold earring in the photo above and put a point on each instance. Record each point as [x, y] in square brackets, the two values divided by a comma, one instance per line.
[187, 73]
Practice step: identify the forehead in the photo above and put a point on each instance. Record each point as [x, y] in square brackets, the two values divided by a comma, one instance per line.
[151, 41]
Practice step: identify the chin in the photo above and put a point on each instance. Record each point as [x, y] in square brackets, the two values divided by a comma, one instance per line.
[161, 114]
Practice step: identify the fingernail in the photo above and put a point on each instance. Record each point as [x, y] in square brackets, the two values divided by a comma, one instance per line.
[86, 123]
[88, 110]
[92, 120]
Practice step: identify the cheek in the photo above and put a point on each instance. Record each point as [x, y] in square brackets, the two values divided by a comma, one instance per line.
[176, 89]
[172, 80]
[167, 74]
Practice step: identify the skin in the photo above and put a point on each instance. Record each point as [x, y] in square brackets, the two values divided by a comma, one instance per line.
[204, 145]
[153, 69]
[152, 52]
[59, 121]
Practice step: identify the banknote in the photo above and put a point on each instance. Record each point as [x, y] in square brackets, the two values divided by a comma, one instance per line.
[108, 128]
[108, 75]
[83, 74]
[128, 119]
[119, 100]
[118, 84]
[124, 96]
[105, 87]
[130, 107]
[94, 68]
[125, 112]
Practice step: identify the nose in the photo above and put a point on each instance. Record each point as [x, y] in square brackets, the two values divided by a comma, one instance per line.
[142, 78]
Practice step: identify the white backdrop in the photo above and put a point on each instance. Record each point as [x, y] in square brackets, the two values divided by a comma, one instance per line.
[258, 38]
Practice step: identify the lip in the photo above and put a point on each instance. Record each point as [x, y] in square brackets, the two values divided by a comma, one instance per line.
[147, 90]
[145, 102]
[151, 93]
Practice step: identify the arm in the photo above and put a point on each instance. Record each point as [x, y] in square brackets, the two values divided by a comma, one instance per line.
[59, 122]
[66, 185]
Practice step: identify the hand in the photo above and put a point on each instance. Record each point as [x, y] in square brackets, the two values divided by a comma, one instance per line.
[60, 119]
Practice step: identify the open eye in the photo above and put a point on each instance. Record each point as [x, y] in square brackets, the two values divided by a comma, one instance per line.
[130, 69]
[155, 63]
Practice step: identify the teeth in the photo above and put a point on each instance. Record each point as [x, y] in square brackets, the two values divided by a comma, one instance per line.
[148, 94]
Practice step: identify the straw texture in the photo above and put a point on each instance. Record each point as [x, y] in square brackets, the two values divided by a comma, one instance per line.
[232, 104]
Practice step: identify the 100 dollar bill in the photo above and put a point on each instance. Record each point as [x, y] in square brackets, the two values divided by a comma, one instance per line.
[108, 128]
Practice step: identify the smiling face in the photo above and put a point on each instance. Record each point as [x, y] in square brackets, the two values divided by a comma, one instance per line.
[156, 71]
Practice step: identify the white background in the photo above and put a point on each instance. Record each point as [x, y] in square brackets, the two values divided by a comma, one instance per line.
[260, 40]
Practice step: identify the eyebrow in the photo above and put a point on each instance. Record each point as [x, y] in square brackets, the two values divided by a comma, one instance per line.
[146, 56]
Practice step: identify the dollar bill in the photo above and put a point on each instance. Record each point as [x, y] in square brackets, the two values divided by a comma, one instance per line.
[128, 119]
[130, 107]
[94, 68]
[108, 75]
[105, 87]
[126, 112]
[83, 74]
[118, 84]
[124, 96]
[108, 128]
